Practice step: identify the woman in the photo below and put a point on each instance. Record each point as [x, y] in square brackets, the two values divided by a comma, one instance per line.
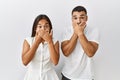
[41, 51]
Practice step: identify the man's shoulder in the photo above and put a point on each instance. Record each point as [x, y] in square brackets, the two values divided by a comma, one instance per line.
[91, 29]
[67, 33]
[69, 29]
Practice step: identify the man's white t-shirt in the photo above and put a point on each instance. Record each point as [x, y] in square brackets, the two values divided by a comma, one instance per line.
[78, 65]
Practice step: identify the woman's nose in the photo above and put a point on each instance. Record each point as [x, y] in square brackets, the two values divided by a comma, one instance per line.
[43, 27]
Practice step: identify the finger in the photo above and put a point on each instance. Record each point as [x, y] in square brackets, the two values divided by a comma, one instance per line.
[74, 24]
[83, 23]
[51, 32]
[36, 33]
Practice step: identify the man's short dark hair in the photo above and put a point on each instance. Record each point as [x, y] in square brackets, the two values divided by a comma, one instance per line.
[79, 9]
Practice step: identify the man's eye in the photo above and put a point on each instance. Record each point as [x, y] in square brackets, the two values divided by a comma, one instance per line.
[82, 17]
[75, 18]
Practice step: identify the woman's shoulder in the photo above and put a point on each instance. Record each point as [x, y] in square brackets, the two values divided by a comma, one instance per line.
[29, 40]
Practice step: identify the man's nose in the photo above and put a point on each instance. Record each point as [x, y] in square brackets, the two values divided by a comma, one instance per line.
[78, 21]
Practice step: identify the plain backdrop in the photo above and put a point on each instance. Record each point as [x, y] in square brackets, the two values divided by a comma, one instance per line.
[16, 19]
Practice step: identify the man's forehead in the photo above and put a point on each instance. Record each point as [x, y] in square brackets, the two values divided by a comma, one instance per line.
[82, 13]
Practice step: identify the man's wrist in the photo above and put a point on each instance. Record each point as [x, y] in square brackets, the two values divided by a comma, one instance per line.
[80, 34]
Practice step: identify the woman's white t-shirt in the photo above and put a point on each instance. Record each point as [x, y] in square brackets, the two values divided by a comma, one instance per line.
[41, 67]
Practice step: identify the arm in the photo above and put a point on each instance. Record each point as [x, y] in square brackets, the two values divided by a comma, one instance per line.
[27, 52]
[53, 48]
[69, 45]
[88, 46]
[54, 51]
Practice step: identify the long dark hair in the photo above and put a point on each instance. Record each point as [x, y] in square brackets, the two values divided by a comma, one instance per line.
[38, 18]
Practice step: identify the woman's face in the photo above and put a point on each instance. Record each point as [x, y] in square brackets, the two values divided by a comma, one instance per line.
[43, 25]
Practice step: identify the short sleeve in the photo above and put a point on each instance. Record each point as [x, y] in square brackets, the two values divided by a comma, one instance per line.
[67, 34]
[29, 40]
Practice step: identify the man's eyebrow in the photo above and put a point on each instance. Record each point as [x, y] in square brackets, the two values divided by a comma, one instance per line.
[82, 15]
[74, 15]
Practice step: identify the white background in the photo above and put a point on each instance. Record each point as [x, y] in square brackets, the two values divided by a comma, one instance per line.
[16, 19]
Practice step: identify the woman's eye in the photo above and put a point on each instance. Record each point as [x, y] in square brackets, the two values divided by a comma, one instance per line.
[39, 26]
[46, 26]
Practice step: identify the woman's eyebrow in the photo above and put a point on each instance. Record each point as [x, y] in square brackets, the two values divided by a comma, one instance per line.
[39, 24]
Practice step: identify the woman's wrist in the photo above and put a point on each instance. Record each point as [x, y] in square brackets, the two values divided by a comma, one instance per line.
[50, 42]
[38, 40]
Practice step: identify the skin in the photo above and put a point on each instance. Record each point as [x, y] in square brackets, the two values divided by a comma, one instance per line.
[79, 20]
[43, 34]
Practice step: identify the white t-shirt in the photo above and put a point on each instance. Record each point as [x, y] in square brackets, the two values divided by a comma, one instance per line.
[40, 67]
[78, 65]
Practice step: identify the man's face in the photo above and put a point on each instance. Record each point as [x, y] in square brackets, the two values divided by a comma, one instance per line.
[78, 17]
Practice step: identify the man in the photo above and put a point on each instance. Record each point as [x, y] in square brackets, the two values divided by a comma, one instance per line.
[79, 46]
